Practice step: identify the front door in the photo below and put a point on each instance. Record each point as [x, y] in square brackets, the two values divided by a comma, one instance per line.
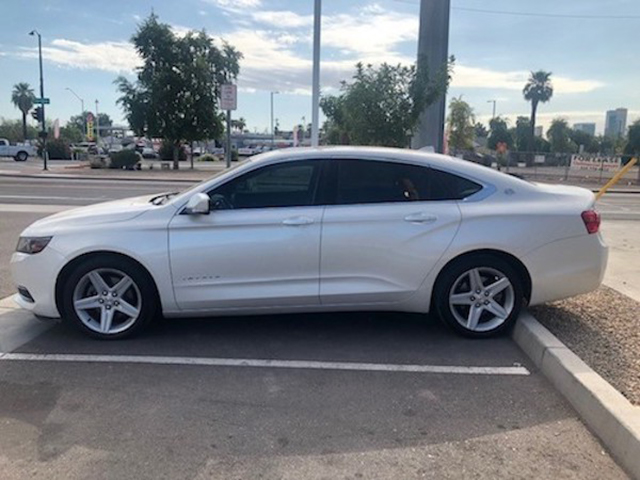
[258, 248]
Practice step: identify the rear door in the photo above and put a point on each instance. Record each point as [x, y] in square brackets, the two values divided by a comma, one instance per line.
[386, 230]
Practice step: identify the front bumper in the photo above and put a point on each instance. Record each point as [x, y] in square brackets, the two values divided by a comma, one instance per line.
[567, 267]
[37, 273]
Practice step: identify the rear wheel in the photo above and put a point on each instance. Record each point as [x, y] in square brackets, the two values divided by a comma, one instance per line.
[109, 298]
[21, 157]
[479, 296]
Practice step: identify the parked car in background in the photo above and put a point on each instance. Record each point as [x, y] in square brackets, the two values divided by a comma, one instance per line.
[329, 229]
[20, 153]
[248, 151]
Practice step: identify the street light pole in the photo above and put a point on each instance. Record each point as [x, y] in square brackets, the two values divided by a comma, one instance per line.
[43, 133]
[273, 132]
[315, 102]
[494, 108]
[82, 109]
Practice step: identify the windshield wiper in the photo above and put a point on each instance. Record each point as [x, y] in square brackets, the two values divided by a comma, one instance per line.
[163, 197]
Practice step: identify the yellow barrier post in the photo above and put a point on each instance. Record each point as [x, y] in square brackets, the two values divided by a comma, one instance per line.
[616, 178]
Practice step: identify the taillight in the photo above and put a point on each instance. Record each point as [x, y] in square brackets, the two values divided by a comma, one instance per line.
[591, 219]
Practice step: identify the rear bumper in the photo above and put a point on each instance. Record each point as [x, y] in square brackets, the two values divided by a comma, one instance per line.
[37, 274]
[567, 267]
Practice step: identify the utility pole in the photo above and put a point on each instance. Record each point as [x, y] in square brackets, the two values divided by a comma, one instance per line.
[494, 108]
[43, 132]
[433, 50]
[81, 111]
[273, 132]
[315, 101]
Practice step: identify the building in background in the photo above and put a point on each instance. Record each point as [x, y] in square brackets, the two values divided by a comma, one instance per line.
[589, 128]
[538, 131]
[616, 123]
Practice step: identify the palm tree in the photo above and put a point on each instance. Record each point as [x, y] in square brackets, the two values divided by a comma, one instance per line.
[538, 89]
[22, 97]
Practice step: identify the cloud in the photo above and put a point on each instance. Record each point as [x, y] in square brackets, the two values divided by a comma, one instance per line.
[477, 77]
[119, 57]
[235, 4]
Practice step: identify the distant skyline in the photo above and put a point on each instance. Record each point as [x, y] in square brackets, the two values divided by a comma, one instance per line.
[589, 46]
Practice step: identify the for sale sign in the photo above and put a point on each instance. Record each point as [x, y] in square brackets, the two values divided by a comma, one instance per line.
[596, 162]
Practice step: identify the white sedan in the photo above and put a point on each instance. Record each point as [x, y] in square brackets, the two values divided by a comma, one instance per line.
[309, 230]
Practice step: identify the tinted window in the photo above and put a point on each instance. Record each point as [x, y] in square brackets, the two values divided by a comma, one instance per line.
[286, 185]
[446, 186]
[362, 181]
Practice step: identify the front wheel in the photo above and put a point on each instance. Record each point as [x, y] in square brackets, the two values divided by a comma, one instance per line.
[109, 298]
[479, 296]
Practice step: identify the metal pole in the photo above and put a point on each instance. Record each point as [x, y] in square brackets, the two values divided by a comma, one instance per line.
[227, 152]
[433, 51]
[82, 116]
[315, 102]
[97, 127]
[44, 129]
[273, 131]
[494, 108]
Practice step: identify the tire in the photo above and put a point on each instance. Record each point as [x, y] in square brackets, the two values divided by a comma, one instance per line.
[123, 305]
[21, 156]
[465, 300]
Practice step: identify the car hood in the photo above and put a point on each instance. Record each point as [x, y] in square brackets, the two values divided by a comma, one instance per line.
[99, 213]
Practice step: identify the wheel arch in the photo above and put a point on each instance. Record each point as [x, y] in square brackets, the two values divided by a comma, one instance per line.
[64, 273]
[514, 261]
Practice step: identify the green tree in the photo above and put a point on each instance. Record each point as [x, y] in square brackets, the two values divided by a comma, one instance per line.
[538, 89]
[79, 122]
[583, 138]
[481, 131]
[461, 124]
[499, 133]
[71, 133]
[632, 147]
[175, 95]
[381, 106]
[22, 97]
[521, 134]
[559, 137]
[12, 130]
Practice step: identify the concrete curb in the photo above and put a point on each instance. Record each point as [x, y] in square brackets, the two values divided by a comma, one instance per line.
[605, 411]
[18, 326]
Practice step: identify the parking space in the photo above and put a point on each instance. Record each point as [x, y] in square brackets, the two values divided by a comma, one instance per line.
[101, 416]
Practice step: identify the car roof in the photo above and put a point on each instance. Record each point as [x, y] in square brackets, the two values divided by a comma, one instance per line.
[435, 160]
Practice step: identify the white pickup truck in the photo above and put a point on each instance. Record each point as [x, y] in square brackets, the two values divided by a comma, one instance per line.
[20, 153]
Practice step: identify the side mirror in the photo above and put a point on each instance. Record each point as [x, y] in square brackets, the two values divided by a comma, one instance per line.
[198, 205]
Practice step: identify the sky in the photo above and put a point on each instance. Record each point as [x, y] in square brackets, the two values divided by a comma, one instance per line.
[590, 46]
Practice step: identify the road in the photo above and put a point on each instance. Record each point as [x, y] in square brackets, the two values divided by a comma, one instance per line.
[165, 418]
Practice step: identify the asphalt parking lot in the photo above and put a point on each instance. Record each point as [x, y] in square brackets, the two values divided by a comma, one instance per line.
[93, 417]
[344, 396]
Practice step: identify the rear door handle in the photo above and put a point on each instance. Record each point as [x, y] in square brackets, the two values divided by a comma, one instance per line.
[297, 221]
[421, 217]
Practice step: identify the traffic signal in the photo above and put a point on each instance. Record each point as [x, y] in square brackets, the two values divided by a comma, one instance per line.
[36, 113]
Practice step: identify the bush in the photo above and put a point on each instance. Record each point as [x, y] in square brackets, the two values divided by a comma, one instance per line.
[234, 155]
[124, 159]
[166, 152]
[97, 162]
[58, 149]
[207, 157]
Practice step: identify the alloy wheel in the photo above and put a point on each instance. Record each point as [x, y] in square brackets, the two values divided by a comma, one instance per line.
[481, 299]
[107, 301]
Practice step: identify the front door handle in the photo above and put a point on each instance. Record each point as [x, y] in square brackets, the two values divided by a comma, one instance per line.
[297, 221]
[421, 217]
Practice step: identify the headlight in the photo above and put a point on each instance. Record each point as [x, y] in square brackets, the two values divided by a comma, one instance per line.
[32, 245]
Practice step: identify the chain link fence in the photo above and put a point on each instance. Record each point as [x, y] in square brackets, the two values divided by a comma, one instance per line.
[554, 167]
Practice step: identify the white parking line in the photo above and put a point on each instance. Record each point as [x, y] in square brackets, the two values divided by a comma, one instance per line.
[33, 208]
[256, 363]
[50, 197]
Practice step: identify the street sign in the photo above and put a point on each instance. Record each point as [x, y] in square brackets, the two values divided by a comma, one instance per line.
[228, 97]
[41, 101]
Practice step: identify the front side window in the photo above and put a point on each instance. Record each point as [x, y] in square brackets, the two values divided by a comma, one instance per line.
[285, 185]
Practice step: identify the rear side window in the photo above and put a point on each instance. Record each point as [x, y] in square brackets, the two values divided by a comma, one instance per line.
[363, 181]
[447, 186]
[368, 181]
